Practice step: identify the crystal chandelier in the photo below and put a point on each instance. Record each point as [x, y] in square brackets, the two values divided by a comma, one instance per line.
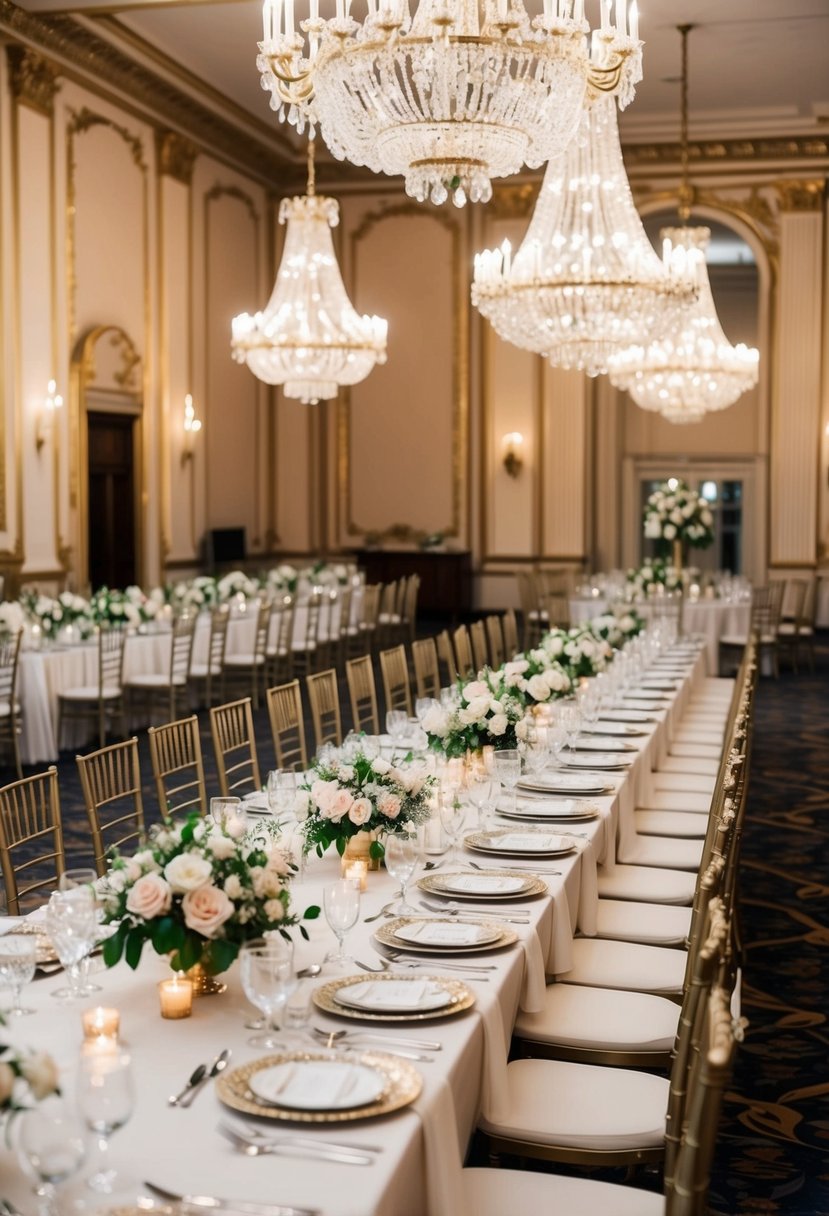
[693, 368]
[453, 95]
[309, 338]
[585, 282]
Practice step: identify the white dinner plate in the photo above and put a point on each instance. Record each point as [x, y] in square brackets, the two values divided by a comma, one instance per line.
[563, 783]
[394, 996]
[317, 1085]
[537, 812]
[660, 685]
[642, 694]
[613, 728]
[484, 884]
[513, 842]
[625, 715]
[258, 803]
[600, 760]
[447, 935]
[587, 743]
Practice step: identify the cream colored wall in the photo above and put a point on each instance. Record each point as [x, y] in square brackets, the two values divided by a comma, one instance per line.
[95, 231]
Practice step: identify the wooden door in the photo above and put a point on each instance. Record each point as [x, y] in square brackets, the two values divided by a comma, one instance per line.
[111, 500]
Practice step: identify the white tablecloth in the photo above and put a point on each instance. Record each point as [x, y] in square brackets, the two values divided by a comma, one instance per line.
[417, 1173]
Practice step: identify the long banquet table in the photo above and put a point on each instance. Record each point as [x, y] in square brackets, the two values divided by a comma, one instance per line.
[418, 1171]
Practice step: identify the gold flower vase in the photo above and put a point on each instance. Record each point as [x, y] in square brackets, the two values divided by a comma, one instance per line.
[204, 982]
[678, 555]
[358, 848]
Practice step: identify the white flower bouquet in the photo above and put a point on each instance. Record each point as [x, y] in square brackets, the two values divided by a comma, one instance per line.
[653, 572]
[579, 651]
[196, 892]
[676, 512]
[236, 584]
[26, 1077]
[52, 615]
[537, 676]
[111, 607]
[618, 626]
[12, 617]
[488, 713]
[361, 794]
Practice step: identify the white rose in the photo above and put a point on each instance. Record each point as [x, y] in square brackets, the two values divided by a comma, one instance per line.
[468, 715]
[435, 722]
[653, 528]
[676, 516]
[516, 667]
[538, 688]
[475, 688]
[360, 811]
[382, 767]
[41, 1073]
[478, 707]
[206, 909]
[498, 724]
[188, 872]
[669, 532]
[221, 846]
[150, 897]
[233, 887]
[274, 910]
[554, 645]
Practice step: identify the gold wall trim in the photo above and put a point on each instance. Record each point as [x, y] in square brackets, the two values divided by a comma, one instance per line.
[723, 151]
[98, 62]
[753, 209]
[801, 195]
[175, 156]
[514, 200]
[460, 380]
[34, 79]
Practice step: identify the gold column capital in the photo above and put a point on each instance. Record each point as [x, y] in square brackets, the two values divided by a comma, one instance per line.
[34, 79]
[175, 156]
[801, 195]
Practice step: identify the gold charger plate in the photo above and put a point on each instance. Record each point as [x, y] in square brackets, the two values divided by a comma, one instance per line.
[462, 999]
[487, 842]
[46, 952]
[403, 1085]
[387, 936]
[532, 886]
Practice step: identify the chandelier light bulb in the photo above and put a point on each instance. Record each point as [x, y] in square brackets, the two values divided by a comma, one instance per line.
[694, 368]
[449, 93]
[585, 282]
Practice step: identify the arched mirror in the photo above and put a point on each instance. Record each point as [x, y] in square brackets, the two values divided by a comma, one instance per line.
[107, 384]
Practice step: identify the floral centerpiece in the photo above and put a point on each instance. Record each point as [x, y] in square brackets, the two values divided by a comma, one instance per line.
[675, 513]
[344, 798]
[196, 892]
[578, 650]
[111, 607]
[54, 614]
[652, 573]
[12, 617]
[618, 626]
[487, 713]
[283, 578]
[537, 676]
[236, 585]
[26, 1077]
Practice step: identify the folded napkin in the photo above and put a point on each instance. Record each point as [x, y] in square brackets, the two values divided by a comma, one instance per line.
[436, 933]
[395, 994]
[308, 1084]
[484, 884]
[525, 842]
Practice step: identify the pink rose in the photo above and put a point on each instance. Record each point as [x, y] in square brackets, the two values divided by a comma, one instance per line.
[150, 896]
[389, 805]
[206, 910]
[339, 806]
[360, 811]
[323, 793]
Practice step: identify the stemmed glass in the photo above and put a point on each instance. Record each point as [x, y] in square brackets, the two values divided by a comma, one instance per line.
[570, 718]
[268, 978]
[508, 771]
[72, 924]
[106, 1099]
[402, 856]
[230, 814]
[281, 792]
[479, 789]
[397, 725]
[51, 1147]
[423, 705]
[18, 958]
[534, 749]
[341, 904]
[70, 880]
[453, 813]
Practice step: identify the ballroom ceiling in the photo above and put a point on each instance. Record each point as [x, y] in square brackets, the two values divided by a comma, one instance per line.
[758, 67]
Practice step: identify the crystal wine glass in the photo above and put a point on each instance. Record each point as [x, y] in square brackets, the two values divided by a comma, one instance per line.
[570, 718]
[106, 1099]
[230, 815]
[51, 1147]
[402, 856]
[453, 813]
[534, 749]
[268, 977]
[341, 904]
[72, 924]
[18, 958]
[508, 771]
[87, 877]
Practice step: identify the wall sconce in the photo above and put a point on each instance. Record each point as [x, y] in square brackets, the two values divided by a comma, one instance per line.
[513, 457]
[192, 426]
[46, 415]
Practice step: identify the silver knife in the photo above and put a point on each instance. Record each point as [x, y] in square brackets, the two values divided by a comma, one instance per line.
[219, 1064]
[212, 1203]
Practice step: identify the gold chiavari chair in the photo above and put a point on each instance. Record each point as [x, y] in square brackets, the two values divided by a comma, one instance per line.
[279, 655]
[305, 646]
[171, 688]
[29, 821]
[324, 698]
[11, 715]
[103, 701]
[234, 744]
[111, 785]
[409, 622]
[205, 676]
[362, 693]
[288, 726]
[788, 630]
[446, 658]
[480, 650]
[397, 692]
[495, 636]
[427, 672]
[388, 620]
[245, 669]
[509, 628]
[534, 618]
[343, 626]
[178, 766]
[463, 651]
[367, 625]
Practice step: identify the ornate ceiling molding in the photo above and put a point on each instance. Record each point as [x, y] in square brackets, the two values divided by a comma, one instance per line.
[720, 151]
[801, 195]
[175, 156]
[95, 59]
[34, 80]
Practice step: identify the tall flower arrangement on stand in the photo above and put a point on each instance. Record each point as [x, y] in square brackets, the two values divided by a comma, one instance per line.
[674, 512]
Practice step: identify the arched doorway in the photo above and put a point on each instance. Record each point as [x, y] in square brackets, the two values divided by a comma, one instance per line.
[108, 405]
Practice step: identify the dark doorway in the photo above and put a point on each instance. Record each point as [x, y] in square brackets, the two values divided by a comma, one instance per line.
[111, 500]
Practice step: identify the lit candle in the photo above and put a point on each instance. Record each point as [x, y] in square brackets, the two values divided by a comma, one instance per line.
[101, 1023]
[634, 21]
[606, 16]
[356, 872]
[506, 254]
[621, 17]
[176, 997]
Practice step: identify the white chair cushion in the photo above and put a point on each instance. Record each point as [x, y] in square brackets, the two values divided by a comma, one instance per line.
[787, 628]
[601, 1018]
[244, 660]
[699, 751]
[653, 925]
[497, 1192]
[5, 710]
[689, 825]
[700, 783]
[88, 692]
[647, 883]
[722, 686]
[583, 1106]
[673, 853]
[733, 639]
[601, 963]
[200, 670]
[674, 800]
[690, 764]
[152, 679]
[696, 734]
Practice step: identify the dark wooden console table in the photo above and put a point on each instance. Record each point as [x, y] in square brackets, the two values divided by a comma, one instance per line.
[445, 577]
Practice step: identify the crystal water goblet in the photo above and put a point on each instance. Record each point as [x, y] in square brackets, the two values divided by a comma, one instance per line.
[508, 771]
[267, 971]
[51, 1148]
[402, 857]
[72, 925]
[18, 959]
[341, 904]
[106, 1100]
[229, 814]
[453, 812]
[570, 718]
[83, 876]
